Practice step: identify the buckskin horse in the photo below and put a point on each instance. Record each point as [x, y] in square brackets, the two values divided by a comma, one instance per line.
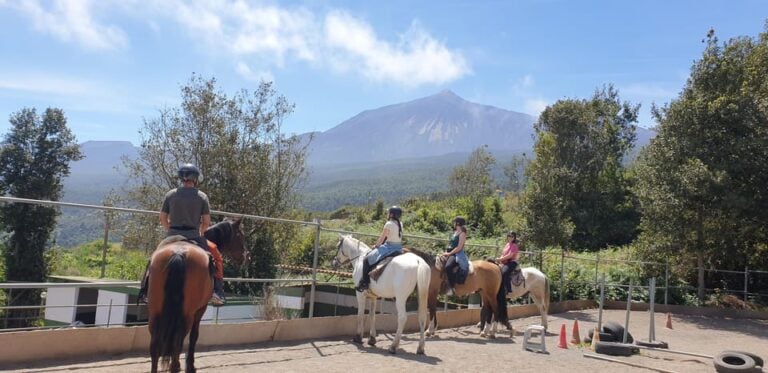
[398, 280]
[180, 285]
[484, 279]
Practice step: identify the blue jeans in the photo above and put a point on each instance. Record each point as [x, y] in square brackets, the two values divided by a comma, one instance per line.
[383, 251]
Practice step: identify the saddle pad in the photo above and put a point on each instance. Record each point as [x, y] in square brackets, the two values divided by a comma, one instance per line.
[379, 269]
[517, 278]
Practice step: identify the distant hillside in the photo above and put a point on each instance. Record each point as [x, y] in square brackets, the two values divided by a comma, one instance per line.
[431, 126]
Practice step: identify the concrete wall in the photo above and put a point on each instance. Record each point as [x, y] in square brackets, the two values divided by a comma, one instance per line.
[67, 343]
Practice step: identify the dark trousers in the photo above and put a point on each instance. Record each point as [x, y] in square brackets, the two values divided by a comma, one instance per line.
[506, 271]
[450, 266]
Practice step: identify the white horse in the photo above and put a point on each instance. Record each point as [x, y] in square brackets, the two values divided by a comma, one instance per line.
[537, 285]
[397, 281]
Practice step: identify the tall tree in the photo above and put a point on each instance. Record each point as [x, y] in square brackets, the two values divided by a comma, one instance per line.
[248, 164]
[584, 143]
[515, 172]
[34, 157]
[474, 177]
[702, 181]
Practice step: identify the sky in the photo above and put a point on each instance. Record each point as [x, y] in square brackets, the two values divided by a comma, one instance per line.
[111, 64]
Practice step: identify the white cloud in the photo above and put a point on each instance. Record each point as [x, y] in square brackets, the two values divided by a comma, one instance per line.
[255, 76]
[72, 21]
[415, 60]
[261, 36]
[535, 106]
[46, 84]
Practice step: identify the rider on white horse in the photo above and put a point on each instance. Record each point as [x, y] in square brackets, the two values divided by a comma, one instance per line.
[508, 259]
[390, 243]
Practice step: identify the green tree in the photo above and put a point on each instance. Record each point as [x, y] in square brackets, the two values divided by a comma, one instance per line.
[702, 181]
[474, 177]
[248, 164]
[515, 173]
[34, 157]
[584, 143]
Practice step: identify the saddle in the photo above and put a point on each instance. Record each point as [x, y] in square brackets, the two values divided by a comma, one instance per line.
[516, 278]
[378, 269]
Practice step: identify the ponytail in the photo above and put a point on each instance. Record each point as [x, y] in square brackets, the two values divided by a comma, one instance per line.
[400, 226]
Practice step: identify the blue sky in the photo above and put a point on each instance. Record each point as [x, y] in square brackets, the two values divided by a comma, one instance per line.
[111, 63]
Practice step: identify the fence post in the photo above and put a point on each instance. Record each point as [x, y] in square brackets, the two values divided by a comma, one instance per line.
[106, 243]
[746, 282]
[597, 266]
[109, 313]
[314, 270]
[562, 273]
[666, 281]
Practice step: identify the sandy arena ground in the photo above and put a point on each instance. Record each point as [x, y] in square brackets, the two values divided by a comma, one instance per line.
[463, 350]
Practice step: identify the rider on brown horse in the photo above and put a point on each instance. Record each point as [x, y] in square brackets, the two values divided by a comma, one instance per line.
[186, 213]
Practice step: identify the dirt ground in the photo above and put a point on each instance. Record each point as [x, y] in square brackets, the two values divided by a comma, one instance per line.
[463, 350]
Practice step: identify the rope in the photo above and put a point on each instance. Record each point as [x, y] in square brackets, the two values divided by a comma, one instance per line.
[309, 269]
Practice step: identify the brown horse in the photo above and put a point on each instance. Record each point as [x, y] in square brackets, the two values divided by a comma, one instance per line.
[485, 279]
[180, 285]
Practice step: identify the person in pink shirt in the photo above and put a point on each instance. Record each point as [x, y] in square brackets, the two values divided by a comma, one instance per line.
[508, 259]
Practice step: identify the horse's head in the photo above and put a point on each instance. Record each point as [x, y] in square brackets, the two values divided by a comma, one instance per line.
[348, 249]
[342, 256]
[229, 238]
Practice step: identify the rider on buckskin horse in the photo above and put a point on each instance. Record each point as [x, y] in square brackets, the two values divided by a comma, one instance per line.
[388, 244]
[186, 212]
[508, 260]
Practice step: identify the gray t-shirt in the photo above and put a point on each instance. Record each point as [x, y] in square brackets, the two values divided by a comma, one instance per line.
[185, 207]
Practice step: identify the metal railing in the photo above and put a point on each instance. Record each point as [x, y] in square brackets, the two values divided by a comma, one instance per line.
[535, 258]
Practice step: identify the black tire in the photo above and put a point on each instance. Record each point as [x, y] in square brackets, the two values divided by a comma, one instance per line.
[759, 362]
[617, 331]
[733, 362]
[604, 337]
[615, 349]
[654, 344]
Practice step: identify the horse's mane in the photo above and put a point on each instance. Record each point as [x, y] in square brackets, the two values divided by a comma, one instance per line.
[220, 232]
[429, 258]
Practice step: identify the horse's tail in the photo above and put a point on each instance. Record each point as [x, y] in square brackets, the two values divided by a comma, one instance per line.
[424, 275]
[546, 294]
[169, 328]
[502, 315]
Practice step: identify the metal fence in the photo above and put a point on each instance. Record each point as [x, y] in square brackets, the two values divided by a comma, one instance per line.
[737, 283]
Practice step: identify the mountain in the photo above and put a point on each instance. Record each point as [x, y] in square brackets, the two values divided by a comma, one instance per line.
[430, 126]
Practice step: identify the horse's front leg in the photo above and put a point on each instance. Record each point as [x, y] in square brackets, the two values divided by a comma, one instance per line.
[401, 319]
[358, 338]
[372, 332]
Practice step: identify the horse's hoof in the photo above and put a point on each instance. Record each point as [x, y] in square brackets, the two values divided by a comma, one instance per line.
[420, 351]
[492, 336]
[482, 334]
[392, 350]
[357, 339]
[372, 341]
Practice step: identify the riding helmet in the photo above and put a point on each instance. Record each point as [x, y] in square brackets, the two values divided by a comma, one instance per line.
[460, 221]
[395, 211]
[188, 171]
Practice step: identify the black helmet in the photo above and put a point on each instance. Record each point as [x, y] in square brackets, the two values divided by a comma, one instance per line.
[188, 171]
[460, 221]
[395, 211]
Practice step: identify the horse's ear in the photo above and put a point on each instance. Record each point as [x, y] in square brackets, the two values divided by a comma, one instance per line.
[236, 222]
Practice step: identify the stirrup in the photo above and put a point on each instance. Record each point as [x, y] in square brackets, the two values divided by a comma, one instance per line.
[217, 300]
[362, 287]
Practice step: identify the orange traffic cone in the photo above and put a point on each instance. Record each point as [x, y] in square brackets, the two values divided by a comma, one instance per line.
[595, 339]
[669, 321]
[562, 344]
[576, 339]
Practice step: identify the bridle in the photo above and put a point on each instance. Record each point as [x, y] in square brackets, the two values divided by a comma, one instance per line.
[338, 251]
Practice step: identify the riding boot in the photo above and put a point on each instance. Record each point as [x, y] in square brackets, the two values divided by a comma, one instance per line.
[366, 278]
[218, 293]
[142, 296]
